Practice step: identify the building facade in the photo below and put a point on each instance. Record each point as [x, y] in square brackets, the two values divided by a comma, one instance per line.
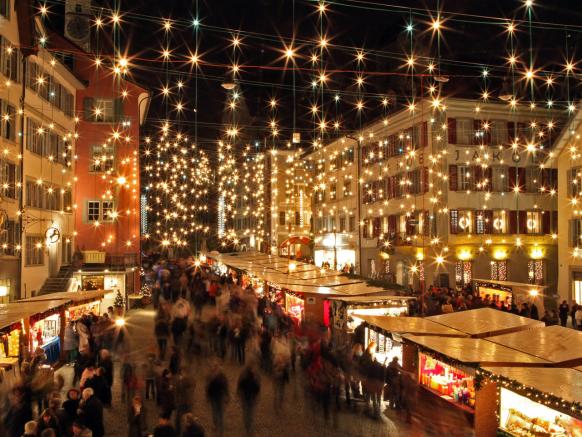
[569, 164]
[37, 165]
[457, 193]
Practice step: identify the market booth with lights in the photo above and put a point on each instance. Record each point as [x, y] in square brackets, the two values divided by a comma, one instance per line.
[447, 367]
[11, 328]
[510, 292]
[386, 332]
[535, 401]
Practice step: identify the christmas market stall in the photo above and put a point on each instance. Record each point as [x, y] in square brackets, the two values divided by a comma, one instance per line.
[535, 402]
[11, 327]
[77, 303]
[343, 308]
[386, 332]
[508, 292]
[486, 322]
[447, 367]
[560, 346]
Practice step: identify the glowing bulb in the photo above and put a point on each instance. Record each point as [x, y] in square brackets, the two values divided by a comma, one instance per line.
[323, 42]
[436, 25]
[167, 25]
[289, 53]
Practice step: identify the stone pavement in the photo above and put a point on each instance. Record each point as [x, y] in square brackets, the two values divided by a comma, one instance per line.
[300, 416]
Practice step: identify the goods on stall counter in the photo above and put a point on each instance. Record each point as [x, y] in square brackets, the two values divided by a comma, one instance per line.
[520, 424]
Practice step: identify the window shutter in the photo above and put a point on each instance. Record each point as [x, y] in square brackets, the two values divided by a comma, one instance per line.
[453, 182]
[546, 217]
[365, 230]
[88, 108]
[571, 233]
[425, 179]
[424, 134]
[512, 222]
[425, 223]
[377, 223]
[512, 178]
[489, 177]
[477, 178]
[476, 128]
[391, 224]
[488, 219]
[554, 223]
[454, 221]
[388, 188]
[521, 176]
[452, 130]
[510, 132]
[117, 109]
[570, 181]
[522, 132]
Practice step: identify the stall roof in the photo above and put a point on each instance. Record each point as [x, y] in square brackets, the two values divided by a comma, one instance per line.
[13, 312]
[73, 296]
[409, 325]
[475, 351]
[511, 283]
[485, 322]
[566, 383]
[377, 298]
[556, 344]
[358, 289]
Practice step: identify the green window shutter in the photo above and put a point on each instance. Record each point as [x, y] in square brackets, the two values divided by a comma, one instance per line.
[88, 108]
[117, 109]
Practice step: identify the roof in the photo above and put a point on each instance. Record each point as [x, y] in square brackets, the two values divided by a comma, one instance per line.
[69, 296]
[409, 325]
[555, 344]
[363, 300]
[475, 351]
[566, 383]
[511, 283]
[485, 322]
[13, 312]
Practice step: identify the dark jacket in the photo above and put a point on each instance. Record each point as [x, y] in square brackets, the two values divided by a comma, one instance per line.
[164, 431]
[217, 388]
[194, 430]
[136, 422]
[248, 386]
[91, 415]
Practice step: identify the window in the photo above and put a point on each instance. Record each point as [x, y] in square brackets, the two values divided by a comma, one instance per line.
[342, 224]
[463, 273]
[575, 233]
[465, 178]
[93, 210]
[102, 159]
[498, 132]
[574, 181]
[297, 218]
[352, 223]
[8, 121]
[535, 271]
[347, 188]
[332, 192]
[107, 210]
[34, 251]
[8, 179]
[10, 59]
[464, 131]
[5, 8]
[465, 223]
[319, 196]
[499, 222]
[499, 270]
[349, 155]
[105, 110]
[532, 179]
[281, 218]
[533, 224]
[480, 225]
[9, 238]
[499, 181]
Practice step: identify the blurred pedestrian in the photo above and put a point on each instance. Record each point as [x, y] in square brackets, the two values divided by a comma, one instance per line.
[136, 418]
[217, 394]
[192, 426]
[91, 412]
[248, 390]
[162, 332]
[164, 427]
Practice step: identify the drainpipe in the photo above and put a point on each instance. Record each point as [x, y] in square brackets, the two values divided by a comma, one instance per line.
[22, 182]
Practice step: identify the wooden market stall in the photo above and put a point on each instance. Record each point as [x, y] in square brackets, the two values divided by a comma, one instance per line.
[545, 402]
[508, 292]
[447, 367]
[486, 322]
[77, 303]
[387, 331]
[560, 346]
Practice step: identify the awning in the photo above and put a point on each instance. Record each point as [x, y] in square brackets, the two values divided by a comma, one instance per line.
[511, 284]
[475, 351]
[486, 322]
[409, 325]
[72, 296]
[556, 344]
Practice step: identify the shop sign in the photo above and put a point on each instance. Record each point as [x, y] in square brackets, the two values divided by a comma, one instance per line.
[310, 301]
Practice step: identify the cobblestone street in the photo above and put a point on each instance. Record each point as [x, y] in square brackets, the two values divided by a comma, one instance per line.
[300, 416]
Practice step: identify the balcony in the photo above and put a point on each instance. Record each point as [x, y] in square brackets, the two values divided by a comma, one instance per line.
[97, 260]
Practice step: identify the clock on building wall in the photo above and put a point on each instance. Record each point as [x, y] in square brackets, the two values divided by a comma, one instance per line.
[77, 27]
[52, 235]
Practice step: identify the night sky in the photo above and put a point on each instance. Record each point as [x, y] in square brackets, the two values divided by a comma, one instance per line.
[376, 27]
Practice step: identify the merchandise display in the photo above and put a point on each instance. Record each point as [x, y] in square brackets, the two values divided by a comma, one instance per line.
[386, 347]
[10, 344]
[520, 416]
[452, 384]
[294, 306]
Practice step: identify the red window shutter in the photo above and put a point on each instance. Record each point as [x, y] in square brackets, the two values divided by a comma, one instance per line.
[478, 177]
[522, 221]
[365, 230]
[426, 223]
[512, 175]
[409, 226]
[546, 221]
[512, 222]
[392, 224]
[425, 179]
[489, 177]
[522, 132]
[510, 132]
[488, 216]
[554, 222]
[521, 177]
[452, 130]
[453, 183]
[424, 134]
[377, 224]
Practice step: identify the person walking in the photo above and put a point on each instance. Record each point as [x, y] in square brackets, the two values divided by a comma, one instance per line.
[91, 412]
[185, 386]
[162, 332]
[578, 317]
[217, 394]
[136, 418]
[248, 390]
[192, 426]
[573, 310]
[166, 394]
[164, 428]
[563, 311]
